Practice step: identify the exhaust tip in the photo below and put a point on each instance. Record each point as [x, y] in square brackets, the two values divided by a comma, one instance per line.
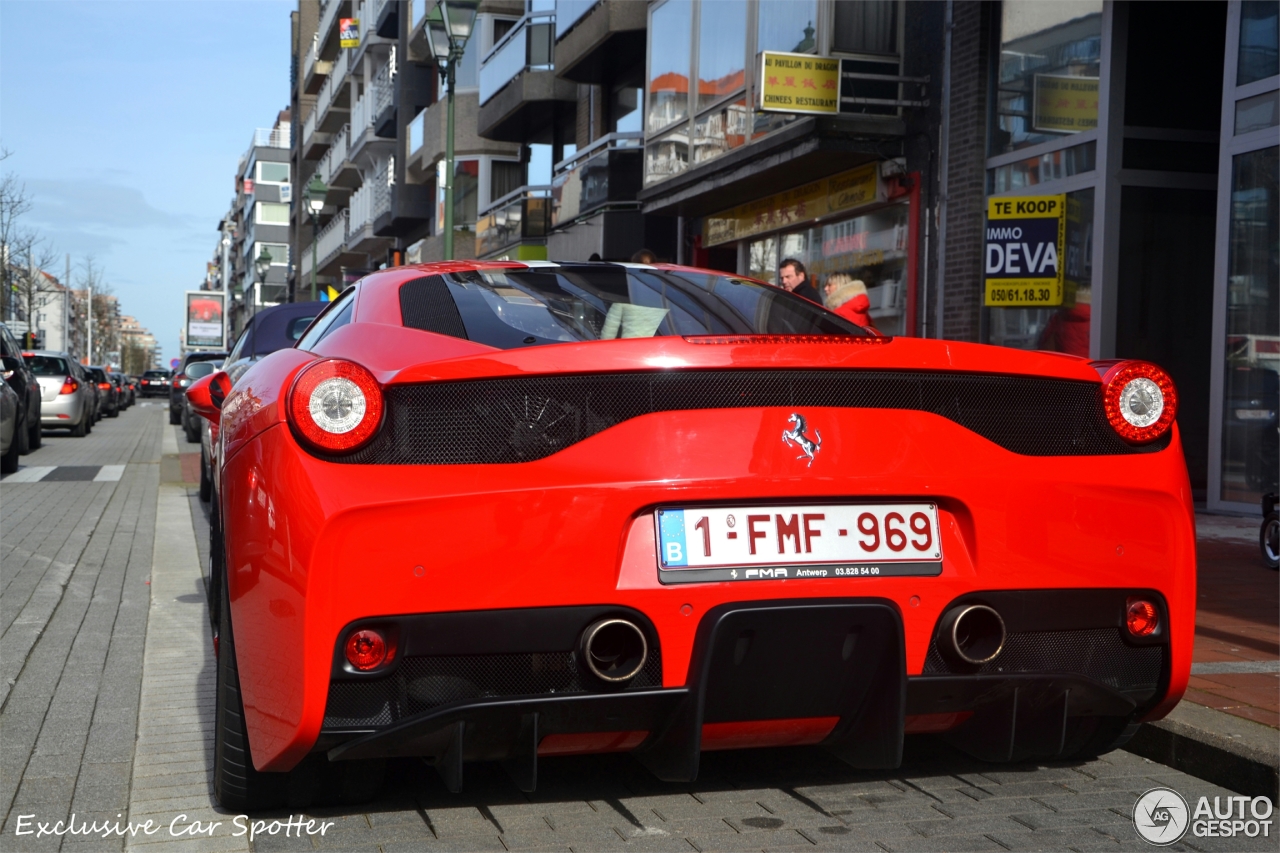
[614, 650]
[971, 635]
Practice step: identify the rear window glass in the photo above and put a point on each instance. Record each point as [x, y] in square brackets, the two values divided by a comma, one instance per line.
[46, 365]
[544, 305]
[96, 374]
[297, 326]
[156, 374]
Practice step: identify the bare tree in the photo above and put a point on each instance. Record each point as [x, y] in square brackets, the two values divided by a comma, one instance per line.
[14, 204]
[29, 255]
[106, 314]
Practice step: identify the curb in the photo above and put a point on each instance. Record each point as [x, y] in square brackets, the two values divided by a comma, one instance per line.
[1230, 751]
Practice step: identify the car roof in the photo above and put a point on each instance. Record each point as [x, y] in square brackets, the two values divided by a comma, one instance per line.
[270, 325]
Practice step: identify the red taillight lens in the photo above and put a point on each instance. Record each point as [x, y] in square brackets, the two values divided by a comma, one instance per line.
[69, 386]
[335, 405]
[104, 385]
[1139, 399]
[366, 650]
[1141, 617]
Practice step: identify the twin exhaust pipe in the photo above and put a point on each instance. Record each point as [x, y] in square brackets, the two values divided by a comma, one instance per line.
[970, 635]
[613, 650]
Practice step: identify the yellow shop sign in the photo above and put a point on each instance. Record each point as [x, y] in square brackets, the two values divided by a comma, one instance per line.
[1065, 104]
[799, 83]
[845, 191]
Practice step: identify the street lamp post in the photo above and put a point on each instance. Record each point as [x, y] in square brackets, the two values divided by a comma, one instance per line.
[314, 194]
[449, 26]
[262, 266]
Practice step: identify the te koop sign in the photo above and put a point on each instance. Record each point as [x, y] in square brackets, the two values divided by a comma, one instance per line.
[1024, 249]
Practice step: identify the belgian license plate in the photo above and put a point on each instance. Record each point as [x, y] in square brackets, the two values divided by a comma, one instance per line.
[772, 542]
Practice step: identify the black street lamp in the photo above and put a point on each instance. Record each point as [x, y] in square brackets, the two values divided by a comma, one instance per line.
[314, 195]
[449, 25]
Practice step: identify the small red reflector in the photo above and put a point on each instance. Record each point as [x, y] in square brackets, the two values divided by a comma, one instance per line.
[800, 731]
[1141, 617]
[104, 385]
[366, 649]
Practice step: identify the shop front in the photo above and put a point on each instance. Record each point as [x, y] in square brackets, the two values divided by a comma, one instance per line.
[855, 225]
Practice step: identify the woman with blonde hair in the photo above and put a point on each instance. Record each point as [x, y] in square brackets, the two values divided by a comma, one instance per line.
[847, 296]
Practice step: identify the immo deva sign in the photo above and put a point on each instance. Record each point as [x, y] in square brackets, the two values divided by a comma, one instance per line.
[1025, 238]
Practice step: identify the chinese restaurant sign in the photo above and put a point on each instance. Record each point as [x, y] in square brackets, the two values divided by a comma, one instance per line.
[799, 83]
[349, 32]
[1065, 104]
[813, 200]
[1024, 251]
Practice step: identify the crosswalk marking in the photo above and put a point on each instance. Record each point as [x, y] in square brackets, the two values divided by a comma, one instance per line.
[109, 474]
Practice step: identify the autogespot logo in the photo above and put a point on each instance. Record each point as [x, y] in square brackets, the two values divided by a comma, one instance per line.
[1161, 817]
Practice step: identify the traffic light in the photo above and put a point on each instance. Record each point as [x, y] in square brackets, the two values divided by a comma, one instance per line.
[29, 340]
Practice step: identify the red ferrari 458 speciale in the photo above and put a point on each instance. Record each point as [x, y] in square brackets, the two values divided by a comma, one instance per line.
[507, 511]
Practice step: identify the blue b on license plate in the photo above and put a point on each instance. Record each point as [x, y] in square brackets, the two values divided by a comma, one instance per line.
[813, 541]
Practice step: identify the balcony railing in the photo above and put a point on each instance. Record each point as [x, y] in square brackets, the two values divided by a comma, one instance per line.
[309, 127]
[331, 240]
[568, 12]
[606, 172]
[335, 155]
[328, 11]
[529, 45]
[362, 113]
[524, 214]
[361, 207]
[384, 174]
[313, 54]
[417, 133]
[273, 137]
[333, 84]
[383, 79]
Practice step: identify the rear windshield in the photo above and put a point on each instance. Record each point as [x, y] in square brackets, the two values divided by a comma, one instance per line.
[201, 369]
[96, 373]
[543, 305]
[47, 365]
[156, 374]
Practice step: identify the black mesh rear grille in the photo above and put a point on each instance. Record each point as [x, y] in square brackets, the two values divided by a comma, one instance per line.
[425, 304]
[526, 418]
[423, 683]
[1096, 653]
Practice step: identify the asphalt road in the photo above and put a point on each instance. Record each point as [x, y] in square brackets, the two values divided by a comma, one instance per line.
[106, 707]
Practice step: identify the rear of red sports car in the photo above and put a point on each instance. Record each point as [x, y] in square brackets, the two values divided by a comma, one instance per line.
[498, 512]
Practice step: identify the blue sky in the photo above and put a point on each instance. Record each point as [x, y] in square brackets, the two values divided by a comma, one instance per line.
[126, 121]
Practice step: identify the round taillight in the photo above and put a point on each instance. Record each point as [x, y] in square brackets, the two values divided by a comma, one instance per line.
[1140, 400]
[1141, 617]
[335, 405]
[366, 649]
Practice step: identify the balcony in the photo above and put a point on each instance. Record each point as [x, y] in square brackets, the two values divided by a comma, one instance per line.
[314, 69]
[384, 113]
[518, 217]
[334, 168]
[606, 174]
[330, 11]
[332, 238]
[427, 136]
[279, 136]
[597, 41]
[518, 84]
[334, 97]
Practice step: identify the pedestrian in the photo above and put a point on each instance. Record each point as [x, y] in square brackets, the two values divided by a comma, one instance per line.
[792, 276]
[644, 256]
[847, 296]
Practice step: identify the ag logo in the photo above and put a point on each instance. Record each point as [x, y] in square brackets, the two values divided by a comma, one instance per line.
[1161, 816]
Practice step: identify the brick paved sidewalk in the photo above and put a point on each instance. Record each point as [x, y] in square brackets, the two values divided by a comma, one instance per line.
[1236, 665]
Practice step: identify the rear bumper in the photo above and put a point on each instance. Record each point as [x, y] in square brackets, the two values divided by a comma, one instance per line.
[65, 410]
[828, 672]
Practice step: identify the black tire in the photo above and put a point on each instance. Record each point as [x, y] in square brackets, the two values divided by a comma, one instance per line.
[114, 411]
[36, 436]
[192, 431]
[9, 461]
[22, 439]
[175, 417]
[206, 483]
[1269, 540]
[1089, 737]
[81, 429]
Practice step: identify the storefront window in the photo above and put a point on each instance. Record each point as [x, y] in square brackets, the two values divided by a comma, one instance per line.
[721, 130]
[669, 59]
[1252, 393]
[1053, 166]
[870, 26]
[1065, 328]
[787, 25]
[722, 50]
[1259, 41]
[1050, 57]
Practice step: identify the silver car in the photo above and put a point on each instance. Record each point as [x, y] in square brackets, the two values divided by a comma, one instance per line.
[66, 397]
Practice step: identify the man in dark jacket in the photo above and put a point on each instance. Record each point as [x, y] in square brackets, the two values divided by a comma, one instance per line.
[793, 277]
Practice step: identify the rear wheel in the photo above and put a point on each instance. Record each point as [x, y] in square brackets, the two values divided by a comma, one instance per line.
[174, 417]
[81, 429]
[35, 437]
[9, 461]
[1269, 540]
[22, 439]
[206, 483]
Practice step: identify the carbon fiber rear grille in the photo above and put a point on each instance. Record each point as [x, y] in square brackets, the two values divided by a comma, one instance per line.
[522, 419]
[1096, 653]
[422, 683]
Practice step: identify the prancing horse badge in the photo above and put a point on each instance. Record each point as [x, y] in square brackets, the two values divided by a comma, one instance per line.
[798, 437]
